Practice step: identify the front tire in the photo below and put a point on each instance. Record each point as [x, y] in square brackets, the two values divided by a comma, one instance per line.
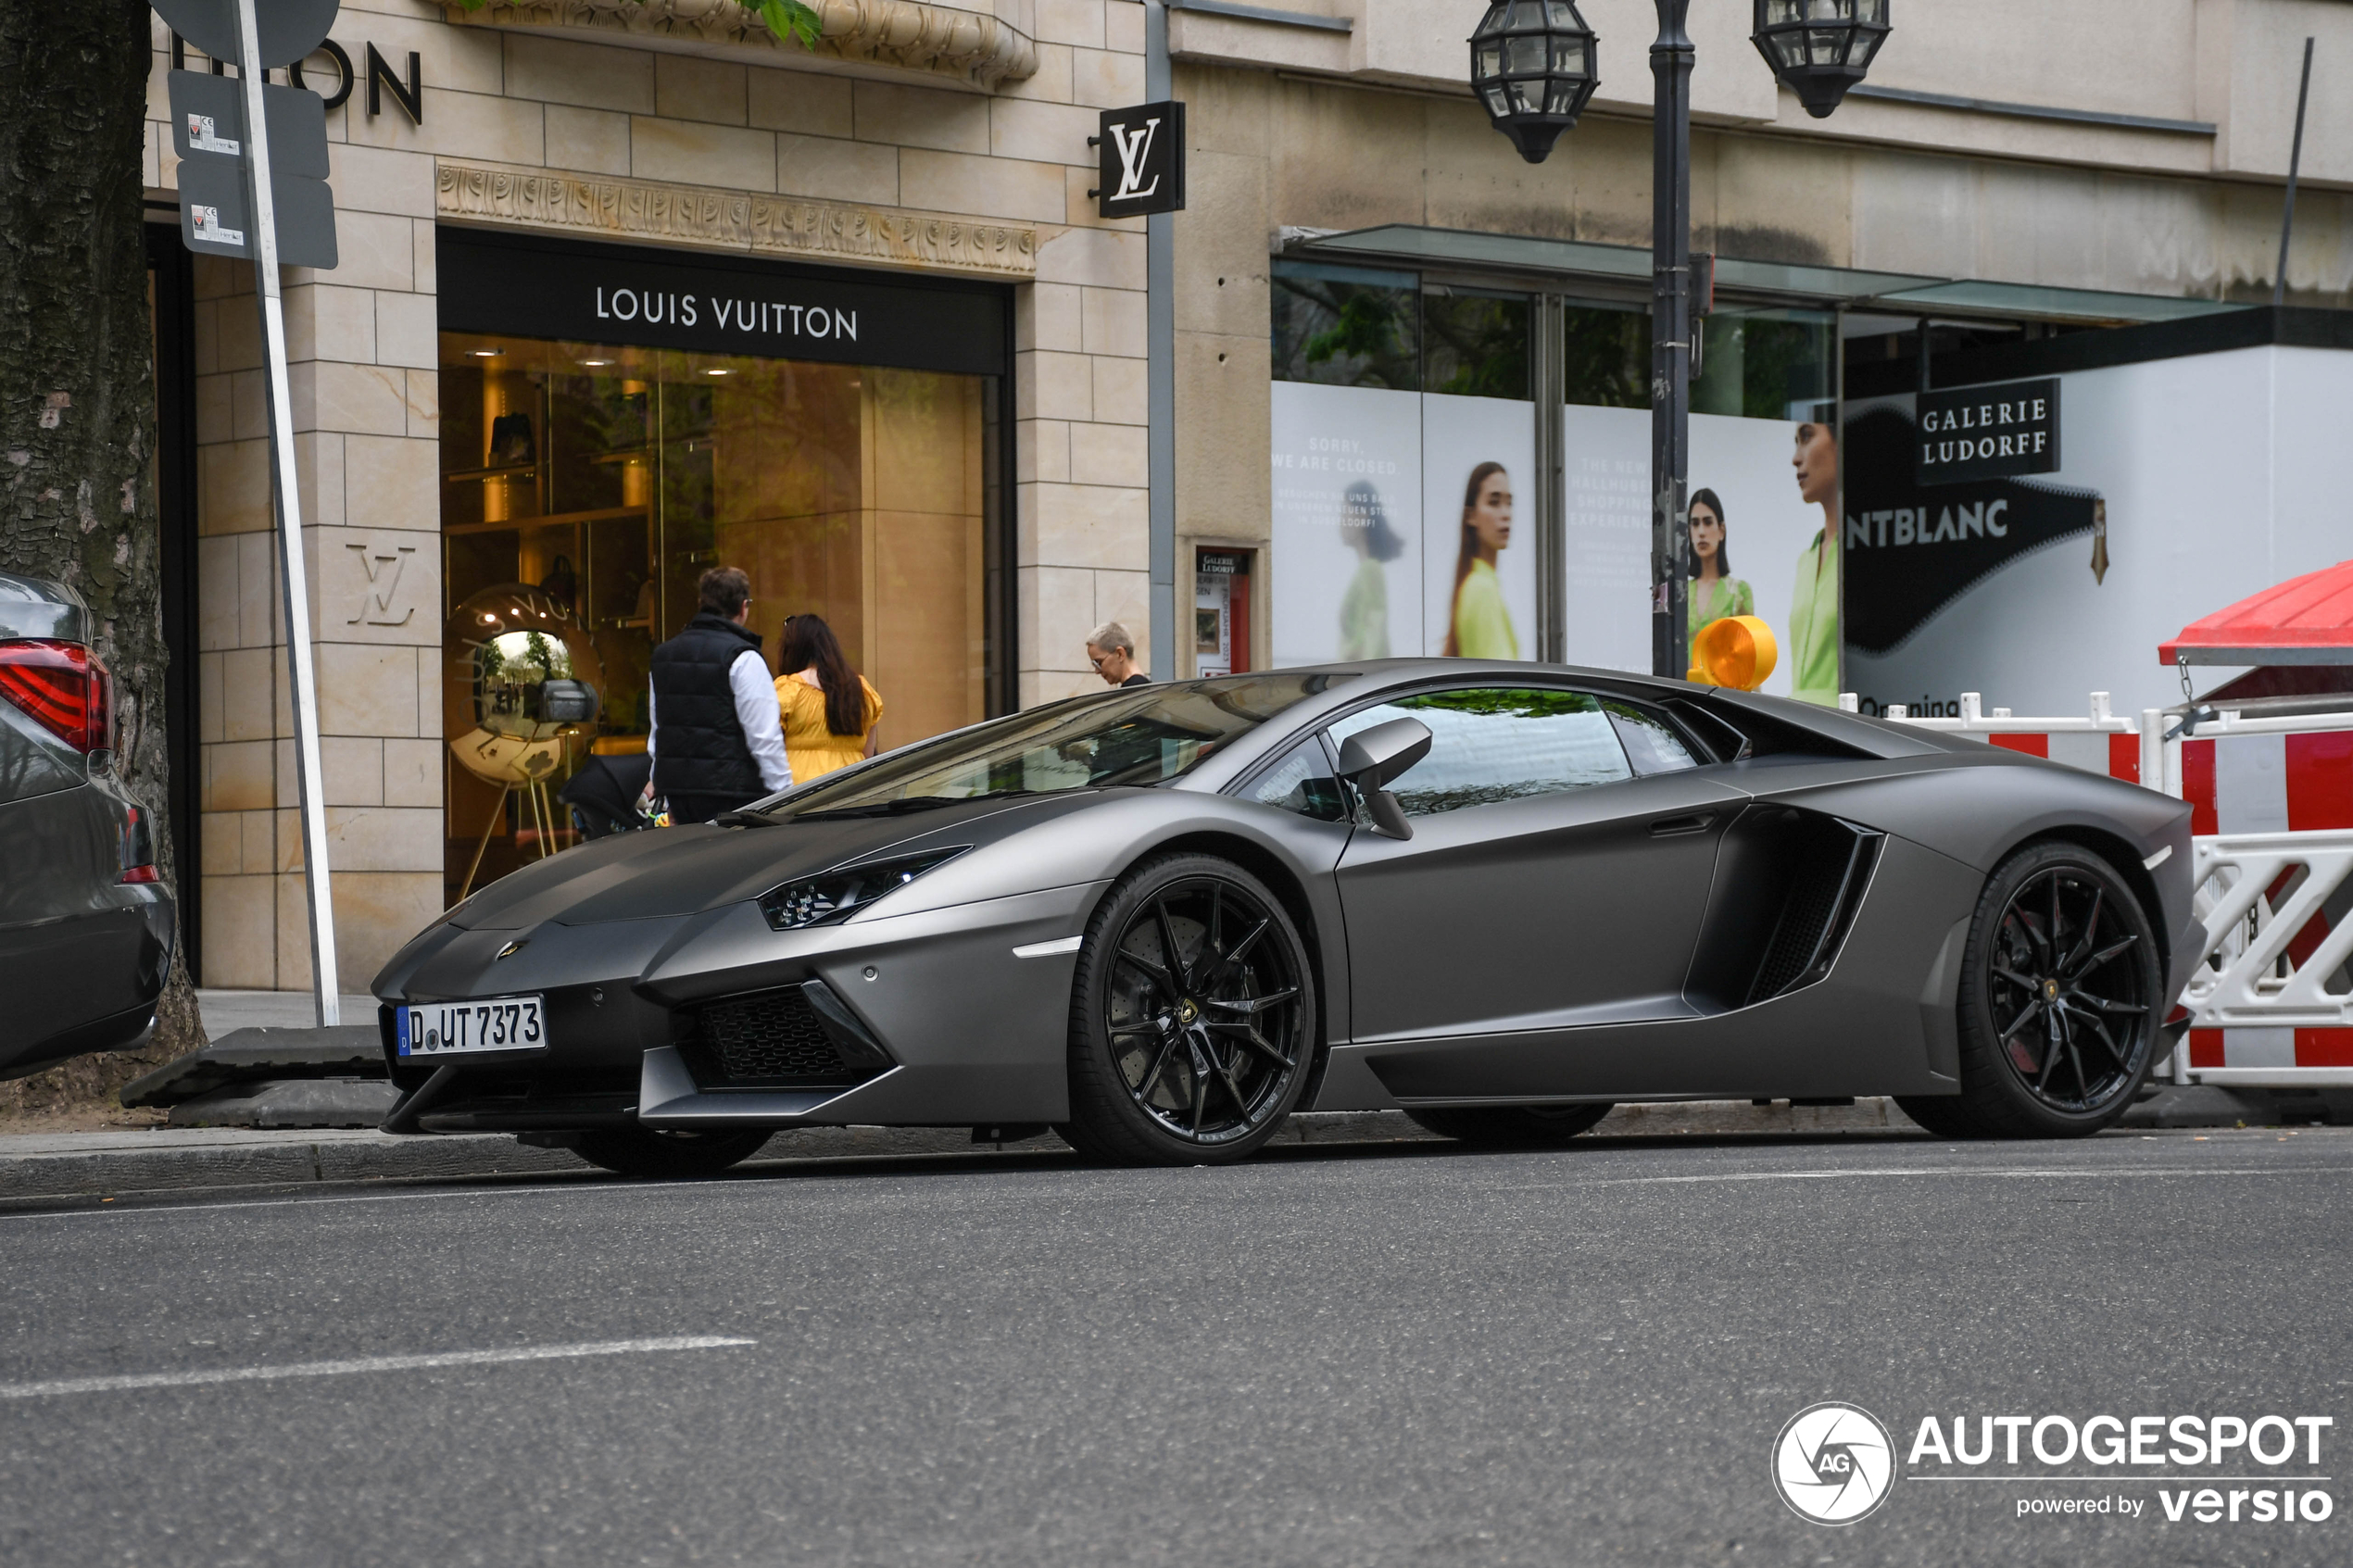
[1511, 1126]
[2060, 1003]
[644, 1152]
[1192, 1017]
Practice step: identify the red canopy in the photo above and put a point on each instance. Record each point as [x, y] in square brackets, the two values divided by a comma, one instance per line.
[2306, 620]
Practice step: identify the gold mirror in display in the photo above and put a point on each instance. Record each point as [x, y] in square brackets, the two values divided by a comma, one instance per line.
[520, 690]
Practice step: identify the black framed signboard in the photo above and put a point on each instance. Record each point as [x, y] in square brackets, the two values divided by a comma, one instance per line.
[1988, 432]
[581, 292]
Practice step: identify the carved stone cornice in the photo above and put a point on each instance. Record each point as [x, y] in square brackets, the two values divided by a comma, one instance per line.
[646, 210]
[974, 43]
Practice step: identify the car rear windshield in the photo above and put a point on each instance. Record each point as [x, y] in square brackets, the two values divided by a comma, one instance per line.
[1130, 736]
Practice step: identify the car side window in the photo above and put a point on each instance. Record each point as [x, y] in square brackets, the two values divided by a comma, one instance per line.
[1651, 743]
[1498, 742]
[1303, 782]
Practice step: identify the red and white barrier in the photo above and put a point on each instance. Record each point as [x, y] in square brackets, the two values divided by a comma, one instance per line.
[2272, 816]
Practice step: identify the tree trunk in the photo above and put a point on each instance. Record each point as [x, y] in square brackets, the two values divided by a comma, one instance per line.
[78, 401]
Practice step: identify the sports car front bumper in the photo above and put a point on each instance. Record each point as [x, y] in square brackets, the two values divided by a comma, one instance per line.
[938, 1021]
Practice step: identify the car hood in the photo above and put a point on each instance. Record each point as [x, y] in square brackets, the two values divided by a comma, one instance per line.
[670, 871]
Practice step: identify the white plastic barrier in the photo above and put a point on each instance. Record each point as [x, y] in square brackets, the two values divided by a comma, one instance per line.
[2273, 800]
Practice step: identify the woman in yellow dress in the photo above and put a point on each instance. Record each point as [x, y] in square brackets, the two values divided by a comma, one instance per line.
[1714, 592]
[1480, 626]
[829, 710]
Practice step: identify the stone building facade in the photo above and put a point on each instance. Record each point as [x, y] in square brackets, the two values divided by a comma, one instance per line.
[2118, 148]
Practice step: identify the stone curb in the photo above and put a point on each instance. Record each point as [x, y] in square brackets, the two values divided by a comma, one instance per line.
[104, 1164]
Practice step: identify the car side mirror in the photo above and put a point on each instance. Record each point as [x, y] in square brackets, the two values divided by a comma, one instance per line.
[1370, 758]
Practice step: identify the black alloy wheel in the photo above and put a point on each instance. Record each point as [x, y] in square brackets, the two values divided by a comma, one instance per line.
[1192, 1022]
[644, 1151]
[2059, 1002]
[1510, 1126]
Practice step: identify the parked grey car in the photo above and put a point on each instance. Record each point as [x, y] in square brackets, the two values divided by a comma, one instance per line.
[1500, 896]
[86, 924]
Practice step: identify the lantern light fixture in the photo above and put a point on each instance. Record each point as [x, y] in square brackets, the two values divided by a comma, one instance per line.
[1819, 48]
[1532, 66]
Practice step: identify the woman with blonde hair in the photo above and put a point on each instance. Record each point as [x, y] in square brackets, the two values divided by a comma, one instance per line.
[1480, 626]
[829, 710]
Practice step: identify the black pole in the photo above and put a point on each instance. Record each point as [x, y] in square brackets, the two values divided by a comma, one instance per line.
[2295, 161]
[1670, 338]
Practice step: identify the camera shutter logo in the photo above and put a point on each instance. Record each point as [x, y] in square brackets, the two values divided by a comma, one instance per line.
[1833, 1463]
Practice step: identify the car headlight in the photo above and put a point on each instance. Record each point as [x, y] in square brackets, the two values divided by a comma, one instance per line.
[835, 897]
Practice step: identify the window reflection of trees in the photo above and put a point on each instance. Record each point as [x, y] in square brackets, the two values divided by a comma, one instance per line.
[1136, 735]
[1340, 333]
[1495, 744]
[1474, 345]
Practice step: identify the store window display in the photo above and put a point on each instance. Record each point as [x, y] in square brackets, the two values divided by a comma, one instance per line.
[607, 478]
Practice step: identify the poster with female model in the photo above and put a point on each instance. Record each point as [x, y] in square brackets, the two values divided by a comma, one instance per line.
[1479, 551]
[1746, 495]
[1347, 496]
[1810, 650]
[1714, 595]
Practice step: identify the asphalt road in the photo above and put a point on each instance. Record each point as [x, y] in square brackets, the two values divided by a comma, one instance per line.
[1400, 1354]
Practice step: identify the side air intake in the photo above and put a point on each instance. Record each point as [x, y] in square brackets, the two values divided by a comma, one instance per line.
[1832, 869]
[1788, 884]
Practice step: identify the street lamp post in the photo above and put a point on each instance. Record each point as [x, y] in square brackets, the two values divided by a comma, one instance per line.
[1534, 65]
[1671, 328]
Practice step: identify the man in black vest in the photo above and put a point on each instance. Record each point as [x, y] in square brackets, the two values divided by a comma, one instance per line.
[717, 739]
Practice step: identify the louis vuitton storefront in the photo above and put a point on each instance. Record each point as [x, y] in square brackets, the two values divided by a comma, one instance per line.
[616, 420]
[623, 293]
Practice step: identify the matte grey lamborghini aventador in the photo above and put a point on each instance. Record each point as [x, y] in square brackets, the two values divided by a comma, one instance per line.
[1159, 919]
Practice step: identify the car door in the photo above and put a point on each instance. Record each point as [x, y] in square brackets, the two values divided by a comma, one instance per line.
[1549, 881]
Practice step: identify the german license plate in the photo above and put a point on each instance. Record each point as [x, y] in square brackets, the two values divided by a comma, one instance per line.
[491, 1023]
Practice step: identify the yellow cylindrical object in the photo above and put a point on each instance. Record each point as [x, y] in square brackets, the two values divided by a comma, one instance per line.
[1738, 651]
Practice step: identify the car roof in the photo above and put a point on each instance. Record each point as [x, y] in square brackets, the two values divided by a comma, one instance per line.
[1353, 683]
[35, 606]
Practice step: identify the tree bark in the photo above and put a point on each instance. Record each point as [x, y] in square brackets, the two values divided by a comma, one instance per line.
[78, 403]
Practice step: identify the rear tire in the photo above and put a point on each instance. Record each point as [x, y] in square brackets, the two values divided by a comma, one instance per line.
[2059, 1002]
[1511, 1126]
[1192, 1017]
[644, 1152]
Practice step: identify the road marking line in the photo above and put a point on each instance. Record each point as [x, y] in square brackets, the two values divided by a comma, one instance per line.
[364, 1364]
[2119, 1172]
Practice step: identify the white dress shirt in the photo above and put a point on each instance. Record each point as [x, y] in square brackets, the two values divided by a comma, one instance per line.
[756, 710]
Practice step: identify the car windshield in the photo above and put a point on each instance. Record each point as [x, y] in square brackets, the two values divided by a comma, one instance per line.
[1131, 735]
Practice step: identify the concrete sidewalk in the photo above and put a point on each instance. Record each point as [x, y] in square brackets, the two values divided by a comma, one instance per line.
[57, 1165]
[67, 1165]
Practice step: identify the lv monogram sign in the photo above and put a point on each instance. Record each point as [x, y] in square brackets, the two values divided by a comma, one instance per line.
[383, 568]
[1139, 160]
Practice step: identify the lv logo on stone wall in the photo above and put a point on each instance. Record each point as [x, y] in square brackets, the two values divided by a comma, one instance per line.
[376, 598]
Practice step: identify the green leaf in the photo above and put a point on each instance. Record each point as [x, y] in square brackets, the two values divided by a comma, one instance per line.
[790, 19]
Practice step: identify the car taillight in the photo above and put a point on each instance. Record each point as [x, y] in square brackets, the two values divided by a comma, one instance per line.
[138, 849]
[64, 689]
